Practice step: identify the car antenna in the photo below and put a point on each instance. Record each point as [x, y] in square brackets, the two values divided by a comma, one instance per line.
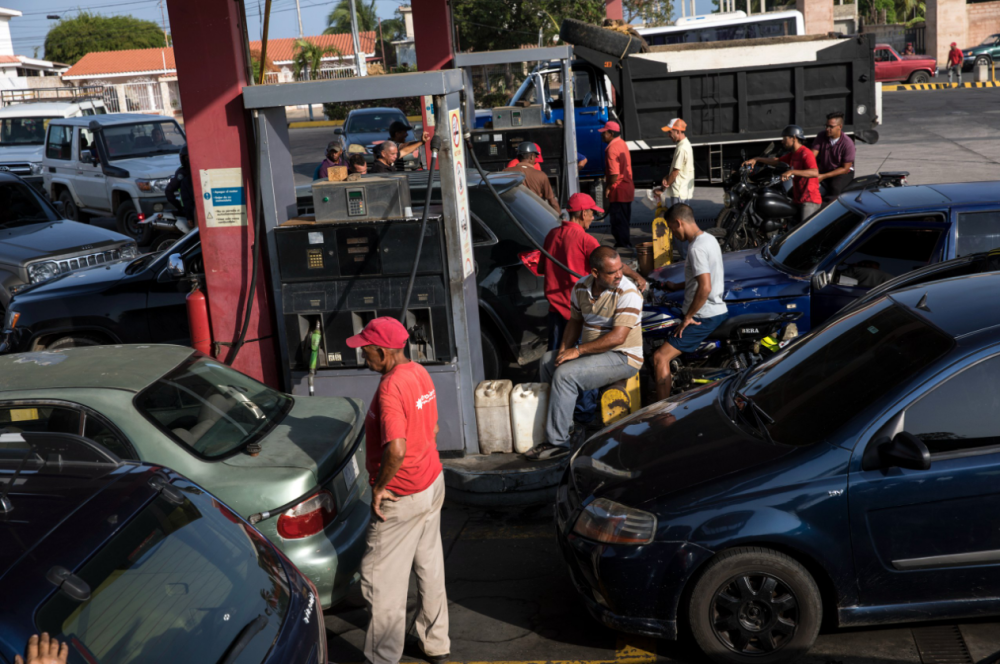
[863, 190]
[922, 304]
[5, 505]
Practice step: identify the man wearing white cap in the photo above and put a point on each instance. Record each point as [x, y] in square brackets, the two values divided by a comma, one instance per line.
[679, 183]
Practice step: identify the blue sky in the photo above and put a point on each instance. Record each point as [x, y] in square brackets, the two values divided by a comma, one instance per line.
[29, 30]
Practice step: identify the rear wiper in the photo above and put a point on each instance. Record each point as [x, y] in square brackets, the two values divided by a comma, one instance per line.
[243, 639]
[759, 415]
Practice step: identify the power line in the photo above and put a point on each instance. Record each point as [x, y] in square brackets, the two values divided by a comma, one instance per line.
[66, 11]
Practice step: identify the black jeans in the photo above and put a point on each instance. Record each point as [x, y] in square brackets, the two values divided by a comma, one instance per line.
[620, 218]
[833, 187]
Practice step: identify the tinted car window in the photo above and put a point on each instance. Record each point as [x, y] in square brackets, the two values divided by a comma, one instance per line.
[20, 203]
[39, 418]
[60, 143]
[178, 583]
[833, 375]
[896, 251]
[977, 231]
[101, 432]
[802, 248]
[211, 409]
[143, 139]
[961, 414]
[533, 213]
[378, 123]
[23, 131]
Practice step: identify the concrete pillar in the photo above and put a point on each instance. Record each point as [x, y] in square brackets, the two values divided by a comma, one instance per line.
[947, 22]
[122, 102]
[817, 15]
[167, 108]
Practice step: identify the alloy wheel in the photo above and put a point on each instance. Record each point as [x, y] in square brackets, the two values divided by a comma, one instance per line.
[755, 614]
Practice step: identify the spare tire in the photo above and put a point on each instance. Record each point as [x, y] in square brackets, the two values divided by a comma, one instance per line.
[600, 39]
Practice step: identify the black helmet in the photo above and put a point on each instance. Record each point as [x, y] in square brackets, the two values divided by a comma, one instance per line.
[794, 131]
[527, 147]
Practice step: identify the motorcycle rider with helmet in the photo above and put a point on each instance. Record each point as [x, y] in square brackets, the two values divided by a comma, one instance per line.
[805, 188]
[182, 183]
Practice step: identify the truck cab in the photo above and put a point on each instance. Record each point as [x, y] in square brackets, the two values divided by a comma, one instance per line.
[22, 133]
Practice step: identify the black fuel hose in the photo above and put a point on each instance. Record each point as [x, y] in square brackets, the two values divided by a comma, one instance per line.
[436, 143]
[503, 206]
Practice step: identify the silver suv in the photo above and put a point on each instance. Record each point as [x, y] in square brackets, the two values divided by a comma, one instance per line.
[112, 165]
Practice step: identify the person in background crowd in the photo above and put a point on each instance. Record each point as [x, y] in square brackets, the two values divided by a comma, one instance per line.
[606, 307]
[619, 189]
[397, 134]
[805, 190]
[538, 160]
[834, 154]
[679, 183]
[704, 307]
[357, 164]
[581, 161]
[386, 154]
[405, 472]
[182, 184]
[534, 180]
[909, 49]
[42, 650]
[334, 157]
[955, 58]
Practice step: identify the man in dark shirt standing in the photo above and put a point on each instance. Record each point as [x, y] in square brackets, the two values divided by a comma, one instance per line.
[385, 158]
[182, 184]
[534, 180]
[834, 157]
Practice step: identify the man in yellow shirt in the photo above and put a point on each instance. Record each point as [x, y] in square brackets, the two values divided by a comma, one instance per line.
[679, 183]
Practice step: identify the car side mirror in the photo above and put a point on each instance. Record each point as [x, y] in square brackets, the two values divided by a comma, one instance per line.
[904, 451]
[338, 130]
[175, 266]
[88, 157]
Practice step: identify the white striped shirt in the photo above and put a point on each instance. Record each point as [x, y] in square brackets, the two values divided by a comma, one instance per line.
[620, 307]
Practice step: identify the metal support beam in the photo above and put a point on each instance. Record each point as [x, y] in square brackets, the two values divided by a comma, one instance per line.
[412, 84]
[513, 56]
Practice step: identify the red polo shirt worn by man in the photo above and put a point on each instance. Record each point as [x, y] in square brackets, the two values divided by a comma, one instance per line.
[538, 161]
[619, 188]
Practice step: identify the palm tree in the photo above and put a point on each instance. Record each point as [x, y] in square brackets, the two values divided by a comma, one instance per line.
[308, 60]
[339, 19]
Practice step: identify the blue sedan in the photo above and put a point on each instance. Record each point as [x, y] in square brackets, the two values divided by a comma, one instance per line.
[854, 474]
[858, 242]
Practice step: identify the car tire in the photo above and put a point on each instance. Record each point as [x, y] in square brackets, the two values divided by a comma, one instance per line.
[920, 77]
[755, 605]
[163, 241]
[492, 358]
[128, 223]
[70, 210]
[73, 341]
[981, 60]
[580, 33]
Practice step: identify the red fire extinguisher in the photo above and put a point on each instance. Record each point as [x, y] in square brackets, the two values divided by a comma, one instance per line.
[197, 313]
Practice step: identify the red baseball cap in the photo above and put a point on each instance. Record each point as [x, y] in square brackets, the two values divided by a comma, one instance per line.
[384, 332]
[581, 202]
[611, 126]
[539, 160]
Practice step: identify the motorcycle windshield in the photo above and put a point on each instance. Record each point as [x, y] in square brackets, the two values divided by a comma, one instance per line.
[802, 248]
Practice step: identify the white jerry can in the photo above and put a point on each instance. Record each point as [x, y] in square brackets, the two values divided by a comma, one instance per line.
[529, 407]
[493, 416]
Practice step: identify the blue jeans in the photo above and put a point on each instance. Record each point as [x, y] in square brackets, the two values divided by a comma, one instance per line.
[682, 247]
[586, 405]
[570, 379]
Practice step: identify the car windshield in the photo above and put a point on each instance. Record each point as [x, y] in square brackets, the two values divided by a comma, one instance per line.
[23, 131]
[143, 139]
[533, 213]
[829, 377]
[802, 248]
[374, 123]
[177, 583]
[990, 41]
[211, 409]
[21, 204]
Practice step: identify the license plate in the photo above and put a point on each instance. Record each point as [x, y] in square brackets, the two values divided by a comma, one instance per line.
[351, 472]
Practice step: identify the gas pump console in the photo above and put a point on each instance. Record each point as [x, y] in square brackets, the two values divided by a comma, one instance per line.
[495, 148]
[353, 265]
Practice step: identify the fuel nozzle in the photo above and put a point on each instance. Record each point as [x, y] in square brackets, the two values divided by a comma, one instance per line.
[314, 338]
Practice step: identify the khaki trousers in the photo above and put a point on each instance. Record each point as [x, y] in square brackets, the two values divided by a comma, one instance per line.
[409, 537]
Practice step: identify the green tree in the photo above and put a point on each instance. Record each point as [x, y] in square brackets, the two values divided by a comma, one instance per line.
[72, 38]
[649, 12]
[487, 25]
[872, 11]
[309, 58]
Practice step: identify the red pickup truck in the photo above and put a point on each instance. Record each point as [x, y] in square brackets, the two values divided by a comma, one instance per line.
[891, 66]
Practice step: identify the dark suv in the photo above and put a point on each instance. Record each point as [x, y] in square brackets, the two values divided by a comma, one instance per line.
[129, 562]
[144, 302]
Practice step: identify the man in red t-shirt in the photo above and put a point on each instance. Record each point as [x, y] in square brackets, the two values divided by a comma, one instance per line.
[407, 494]
[805, 189]
[955, 60]
[619, 189]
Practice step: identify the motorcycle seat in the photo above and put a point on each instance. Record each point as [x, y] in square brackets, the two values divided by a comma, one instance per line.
[745, 323]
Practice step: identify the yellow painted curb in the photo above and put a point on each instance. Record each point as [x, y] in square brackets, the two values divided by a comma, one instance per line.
[937, 86]
[307, 124]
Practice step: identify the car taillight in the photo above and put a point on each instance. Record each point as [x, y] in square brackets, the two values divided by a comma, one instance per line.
[309, 517]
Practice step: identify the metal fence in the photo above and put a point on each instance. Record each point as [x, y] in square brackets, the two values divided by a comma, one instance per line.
[134, 98]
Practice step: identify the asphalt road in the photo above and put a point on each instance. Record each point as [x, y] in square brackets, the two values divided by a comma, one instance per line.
[511, 600]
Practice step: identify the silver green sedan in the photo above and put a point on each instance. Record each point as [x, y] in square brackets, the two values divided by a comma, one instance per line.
[301, 459]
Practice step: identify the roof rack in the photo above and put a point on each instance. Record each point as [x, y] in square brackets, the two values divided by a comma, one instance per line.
[71, 94]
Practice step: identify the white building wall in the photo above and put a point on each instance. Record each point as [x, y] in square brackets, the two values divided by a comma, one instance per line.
[6, 44]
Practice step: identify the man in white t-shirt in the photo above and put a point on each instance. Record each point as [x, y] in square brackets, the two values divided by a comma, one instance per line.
[679, 183]
[704, 307]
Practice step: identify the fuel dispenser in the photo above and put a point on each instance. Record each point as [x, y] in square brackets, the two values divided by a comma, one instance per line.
[351, 261]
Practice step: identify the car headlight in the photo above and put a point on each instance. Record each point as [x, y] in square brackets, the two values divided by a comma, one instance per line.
[159, 185]
[36, 169]
[43, 271]
[129, 250]
[612, 523]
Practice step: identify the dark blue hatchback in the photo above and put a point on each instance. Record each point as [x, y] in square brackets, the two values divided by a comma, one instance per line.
[852, 475]
[128, 562]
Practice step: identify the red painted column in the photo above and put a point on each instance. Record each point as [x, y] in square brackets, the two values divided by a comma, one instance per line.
[433, 40]
[211, 73]
[613, 9]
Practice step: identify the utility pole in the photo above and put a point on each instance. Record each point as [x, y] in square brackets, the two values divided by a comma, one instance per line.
[298, 10]
[381, 40]
[359, 57]
[163, 23]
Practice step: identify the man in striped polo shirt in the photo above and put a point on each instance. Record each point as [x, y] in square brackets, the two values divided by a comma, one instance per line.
[606, 308]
